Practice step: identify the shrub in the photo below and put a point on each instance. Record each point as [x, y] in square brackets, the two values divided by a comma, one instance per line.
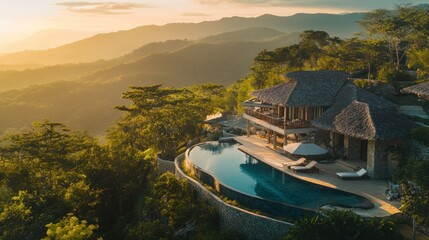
[389, 73]
[421, 134]
[343, 225]
[70, 228]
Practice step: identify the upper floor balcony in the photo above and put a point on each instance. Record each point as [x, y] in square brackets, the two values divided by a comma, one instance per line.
[271, 118]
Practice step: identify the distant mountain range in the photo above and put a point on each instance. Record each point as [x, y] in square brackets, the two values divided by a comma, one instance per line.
[249, 34]
[83, 95]
[111, 45]
[80, 89]
[45, 39]
[175, 63]
[13, 79]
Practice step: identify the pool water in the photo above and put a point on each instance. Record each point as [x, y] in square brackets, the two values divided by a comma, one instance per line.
[248, 175]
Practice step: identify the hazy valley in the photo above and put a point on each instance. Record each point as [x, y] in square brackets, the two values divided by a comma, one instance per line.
[82, 81]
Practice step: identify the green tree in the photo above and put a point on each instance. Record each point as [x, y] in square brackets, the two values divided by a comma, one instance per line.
[396, 26]
[354, 55]
[311, 47]
[412, 174]
[170, 210]
[70, 228]
[164, 119]
[419, 59]
[16, 218]
[122, 173]
[47, 161]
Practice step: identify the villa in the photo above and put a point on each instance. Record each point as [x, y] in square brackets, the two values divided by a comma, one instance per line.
[327, 108]
[323, 107]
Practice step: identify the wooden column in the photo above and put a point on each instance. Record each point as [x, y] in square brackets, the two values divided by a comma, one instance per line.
[284, 127]
[248, 128]
[332, 139]
[274, 139]
[285, 137]
[268, 135]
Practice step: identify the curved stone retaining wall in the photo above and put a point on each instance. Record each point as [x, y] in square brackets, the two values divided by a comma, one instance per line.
[165, 166]
[252, 225]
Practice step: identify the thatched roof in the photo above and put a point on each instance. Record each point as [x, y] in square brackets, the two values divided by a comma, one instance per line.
[305, 88]
[361, 114]
[352, 111]
[421, 90]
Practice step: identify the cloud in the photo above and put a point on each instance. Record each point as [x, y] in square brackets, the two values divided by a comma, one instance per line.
[102, 8]
[195, 14]
[339, 4]
[258, 2]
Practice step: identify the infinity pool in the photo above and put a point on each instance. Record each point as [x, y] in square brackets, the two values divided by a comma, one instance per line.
[250, 176]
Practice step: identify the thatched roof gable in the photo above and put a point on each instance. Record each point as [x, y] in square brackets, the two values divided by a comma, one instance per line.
[361, 114]
[326, 121]
[363, 121]
[276, 95]
[356, 121]
[421, 90]
[305, 88]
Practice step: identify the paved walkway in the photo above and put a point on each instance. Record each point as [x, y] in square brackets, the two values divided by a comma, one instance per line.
[370, 188]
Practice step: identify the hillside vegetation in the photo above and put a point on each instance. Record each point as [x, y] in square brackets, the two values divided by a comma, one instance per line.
[79, 89]
[14, 79]
[86, 101]
[197, 63]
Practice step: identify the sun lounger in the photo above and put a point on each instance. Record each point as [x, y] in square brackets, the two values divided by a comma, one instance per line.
[352, 175]
[311, 167]
[294, 163]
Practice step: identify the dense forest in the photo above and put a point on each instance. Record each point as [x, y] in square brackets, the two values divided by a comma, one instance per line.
[61, 184]
[57, 183]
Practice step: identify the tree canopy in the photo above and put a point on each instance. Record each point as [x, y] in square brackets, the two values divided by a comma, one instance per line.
[164, 119]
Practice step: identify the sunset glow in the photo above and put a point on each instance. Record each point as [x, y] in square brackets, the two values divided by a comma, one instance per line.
[26, 17]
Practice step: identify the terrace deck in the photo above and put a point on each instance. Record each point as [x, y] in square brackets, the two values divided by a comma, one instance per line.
[373, 189]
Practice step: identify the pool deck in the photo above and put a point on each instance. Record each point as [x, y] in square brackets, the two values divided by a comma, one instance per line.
[372, 189]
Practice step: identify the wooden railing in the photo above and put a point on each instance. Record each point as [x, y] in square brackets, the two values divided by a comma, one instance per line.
[298, 123]
[279, 122]
[265, 117]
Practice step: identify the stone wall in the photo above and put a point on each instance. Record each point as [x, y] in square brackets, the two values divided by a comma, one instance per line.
[165, 166]
[252, 225]
[378, 164]
[371, 160]
[352, 148]
[381, 166]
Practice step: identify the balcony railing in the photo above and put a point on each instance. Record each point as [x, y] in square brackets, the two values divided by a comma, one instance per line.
[279, 122]
[265, 117]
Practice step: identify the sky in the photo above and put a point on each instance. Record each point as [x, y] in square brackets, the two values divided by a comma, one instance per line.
[20, 18]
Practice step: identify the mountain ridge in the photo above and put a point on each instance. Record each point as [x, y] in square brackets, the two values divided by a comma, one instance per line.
[114, 44]
[87, 103]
